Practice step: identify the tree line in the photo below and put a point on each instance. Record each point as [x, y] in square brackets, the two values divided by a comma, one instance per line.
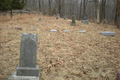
[100, 11]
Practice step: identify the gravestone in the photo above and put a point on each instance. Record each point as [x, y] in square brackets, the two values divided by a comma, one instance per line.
[73, 23]
[85, 19]
[65, 18]
[53, 30]
[40, 19]
[107, 33]
[27, 68]
[4, 14]
[58, 16]
[18, 28]
[0, 29]
[34, 28]
[81, 31]
[40, 16]
[66, 31]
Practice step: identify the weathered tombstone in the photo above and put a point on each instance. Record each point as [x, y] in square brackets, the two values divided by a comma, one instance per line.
[58, 16]
[0, 29]
[66, 31]
[4, 14]
[107, 33]
[40, 19]
[18, 28]
[118, 75]
[34, 28]
[81, 31]
[85, 19]
[27, 68]
[37, 24]
[73, 23]
[65, 18]
[53, 30]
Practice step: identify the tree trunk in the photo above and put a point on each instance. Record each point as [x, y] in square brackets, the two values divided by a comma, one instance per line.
[98, 15]
[11, 14]
[39, 5]
[49, 8]
[59, 7]
[102, 15]
[117, 15]
[80, 9]
[84, 7]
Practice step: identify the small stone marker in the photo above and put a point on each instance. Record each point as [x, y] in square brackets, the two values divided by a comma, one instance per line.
[27, 68]
[73, 23]
[40, 19]
[0, 29]
[81, 31]
[107, 33]
[37, 24]
[118, 75]
[84, 19]
[18, 28]
[53, 30]
[65, 18]
[4, 14]
[58, 16]
[34, 28]
[66, 31]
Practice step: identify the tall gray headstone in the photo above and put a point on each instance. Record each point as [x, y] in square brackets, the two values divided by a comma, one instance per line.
[27, 68]
[73, 23]
[85, 19]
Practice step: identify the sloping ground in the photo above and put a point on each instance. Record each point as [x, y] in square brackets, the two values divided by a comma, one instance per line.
[62, 56]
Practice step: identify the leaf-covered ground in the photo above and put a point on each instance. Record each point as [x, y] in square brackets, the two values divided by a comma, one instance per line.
[62, 56]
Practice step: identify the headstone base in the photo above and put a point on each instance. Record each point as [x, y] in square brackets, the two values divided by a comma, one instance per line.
[14, 77]
[85, 21]
[73, 24]
[27, 71]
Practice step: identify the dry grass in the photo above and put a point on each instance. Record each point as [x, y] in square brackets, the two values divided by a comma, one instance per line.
[62, 56]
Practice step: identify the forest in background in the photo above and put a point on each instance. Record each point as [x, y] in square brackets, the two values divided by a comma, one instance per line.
[100, 11]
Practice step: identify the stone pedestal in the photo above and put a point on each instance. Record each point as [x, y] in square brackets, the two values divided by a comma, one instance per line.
[13, 76]
[28, 71]
[85, 21]
[73, 24]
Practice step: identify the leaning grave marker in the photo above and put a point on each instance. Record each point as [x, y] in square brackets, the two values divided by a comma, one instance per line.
[27, 68]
